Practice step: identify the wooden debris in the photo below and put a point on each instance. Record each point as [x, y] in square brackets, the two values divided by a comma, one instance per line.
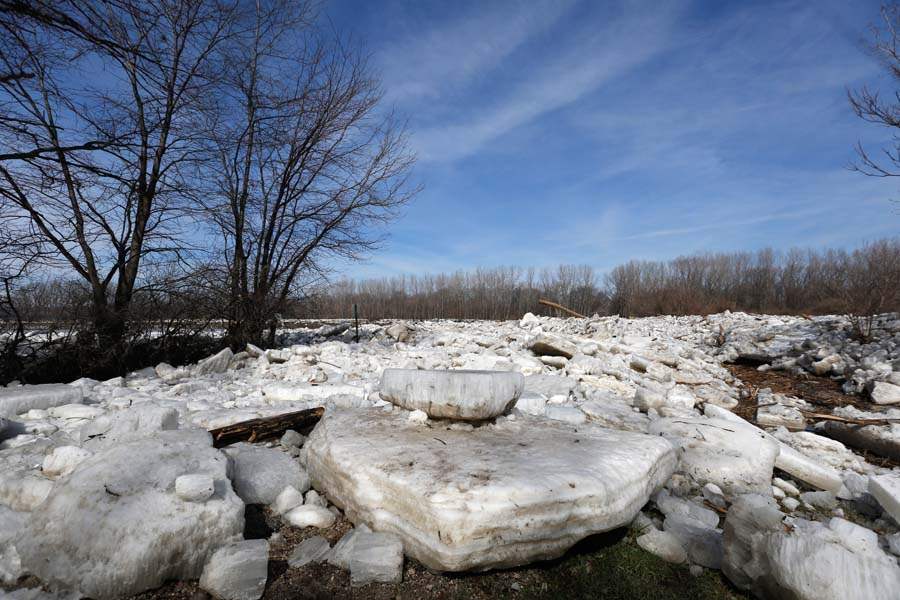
[847, 420]
[266, 428]
[562, 308]
[827, 417]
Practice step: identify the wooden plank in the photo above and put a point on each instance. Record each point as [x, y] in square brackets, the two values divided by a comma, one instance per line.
[266, 428]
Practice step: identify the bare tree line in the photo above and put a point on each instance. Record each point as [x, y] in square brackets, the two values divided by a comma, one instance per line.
[498, 293]
[862, 282]
[155, 152]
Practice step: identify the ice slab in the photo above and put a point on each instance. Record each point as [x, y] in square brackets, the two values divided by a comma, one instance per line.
[886, 489]
[261, 474]
[466, 395]
[20, 399]
[788, 460]
[498, 495]
[237, 571]
[662, 544]
[551, 345]
[376, 557]
[311, 550]
[116, 527]
[735, 458]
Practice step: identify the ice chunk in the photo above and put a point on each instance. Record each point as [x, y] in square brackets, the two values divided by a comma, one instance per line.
[292, 439]
[217, 363]
[788, 487]
[749, 520]
[260, 473]
[11, 524]
[313, 498]
[311, 550]
[616, 415]
[490, 497]
[788, 460]
[340, 554]
[662, 544]
[736, 459]
[550, 345]
[196, 487]
[376, 557]
[855, 537]
[289, 498]
[114, 528]
[790, 503]
[885, 393]
[713, 494]
[75, 411]
[670, 505]
[22, 490]
[886, 489]
[818, 565]
[310, 516]
[807, 561]
[400, 332]
[567, 414]
[823, 500]
[127, 425]
[467, 395]
[703, 544]
[20, 399]
[63, 460]
[237, 571]
[418, 416]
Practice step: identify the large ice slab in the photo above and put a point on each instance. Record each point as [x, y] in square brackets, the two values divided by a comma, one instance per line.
[805, 560]
[116, 526]
[20, 399]
[466, 395]
[737, 459]
[790, 461]
[496, 496]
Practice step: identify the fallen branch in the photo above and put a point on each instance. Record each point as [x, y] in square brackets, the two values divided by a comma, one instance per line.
[848, 420]
[266, 428]
[561, 307]
[826, 417]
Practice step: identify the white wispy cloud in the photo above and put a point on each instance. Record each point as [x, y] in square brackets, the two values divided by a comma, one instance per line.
[581, 61]
[436, 61]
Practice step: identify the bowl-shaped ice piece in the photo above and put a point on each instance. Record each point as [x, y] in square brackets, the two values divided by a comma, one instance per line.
[464, 395]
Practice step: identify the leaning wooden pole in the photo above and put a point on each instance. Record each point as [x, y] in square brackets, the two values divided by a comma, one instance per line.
[561, 307]
[266, 428]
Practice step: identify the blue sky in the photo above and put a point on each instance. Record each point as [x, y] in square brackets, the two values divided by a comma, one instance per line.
[596, 132]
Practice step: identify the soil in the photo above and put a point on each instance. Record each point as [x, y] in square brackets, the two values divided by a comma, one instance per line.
[822, 392]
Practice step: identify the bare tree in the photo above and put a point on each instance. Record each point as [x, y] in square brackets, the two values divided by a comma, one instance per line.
[308, 163]
[871, 106]
[99, 106]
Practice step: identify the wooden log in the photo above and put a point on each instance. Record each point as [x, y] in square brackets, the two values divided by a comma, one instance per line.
[266, 428]
[848, 420]
[561, 307]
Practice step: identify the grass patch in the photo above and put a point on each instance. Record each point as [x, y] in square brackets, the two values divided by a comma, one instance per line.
[609, 568]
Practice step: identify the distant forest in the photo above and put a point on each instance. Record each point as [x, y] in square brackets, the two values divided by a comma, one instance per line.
[799, 281]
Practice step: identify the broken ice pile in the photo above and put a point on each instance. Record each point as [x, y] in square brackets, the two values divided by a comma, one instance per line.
[501, 492]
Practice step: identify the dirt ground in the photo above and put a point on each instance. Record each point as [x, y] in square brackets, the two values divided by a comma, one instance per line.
[822, 392]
